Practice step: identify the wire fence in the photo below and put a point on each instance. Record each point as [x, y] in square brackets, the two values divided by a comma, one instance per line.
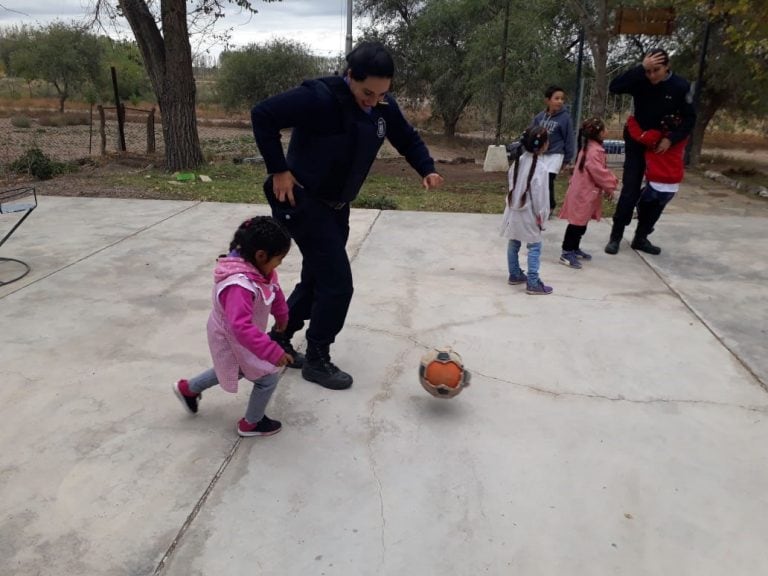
[98, 135]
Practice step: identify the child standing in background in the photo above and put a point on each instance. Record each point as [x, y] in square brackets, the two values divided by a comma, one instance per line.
[527, 209]
[556, 119]
[590, 181]
[245, 291]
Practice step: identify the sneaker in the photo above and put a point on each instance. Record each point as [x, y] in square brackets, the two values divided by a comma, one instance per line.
[264, 427]
[324, 372]
[644, 245]
[188, 398]
[285, 344]
[569, 259]
[538, 289]
[517, 278]
[583, 255]
[612, 247]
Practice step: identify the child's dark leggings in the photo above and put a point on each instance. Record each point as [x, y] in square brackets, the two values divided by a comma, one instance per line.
[552, 201]
[572, 238]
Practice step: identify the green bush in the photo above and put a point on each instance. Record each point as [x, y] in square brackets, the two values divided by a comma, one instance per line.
[35, 163]
[21, 121]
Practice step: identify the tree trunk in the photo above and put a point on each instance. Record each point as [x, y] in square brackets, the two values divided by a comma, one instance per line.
[177, 104]
[168, 60]
[597, 33]
[710, 104]
[449, 126]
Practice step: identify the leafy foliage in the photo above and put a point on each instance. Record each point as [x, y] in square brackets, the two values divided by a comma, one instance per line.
[68, 57]
[258, 71]
[36, 163]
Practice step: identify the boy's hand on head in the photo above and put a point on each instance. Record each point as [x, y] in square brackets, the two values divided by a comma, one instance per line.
[653, 60]
[433, 180]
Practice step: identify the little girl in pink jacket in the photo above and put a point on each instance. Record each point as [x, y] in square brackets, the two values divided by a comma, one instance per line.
[591, 180]
[245, 292]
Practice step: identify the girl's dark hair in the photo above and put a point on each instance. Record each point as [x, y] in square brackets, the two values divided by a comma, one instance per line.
[590, 129]
[661, 51]
[260, 233]
[532, 140]
[370, 59]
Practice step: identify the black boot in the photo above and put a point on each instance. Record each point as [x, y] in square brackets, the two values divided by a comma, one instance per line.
[284, 339]
[319, 369]
[617, 231]
[642, 244]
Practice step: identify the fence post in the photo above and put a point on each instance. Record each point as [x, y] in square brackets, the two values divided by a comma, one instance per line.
[120, 113]
[102, 130]
[151, 131]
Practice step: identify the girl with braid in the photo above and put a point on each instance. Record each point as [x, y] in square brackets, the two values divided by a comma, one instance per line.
[245, 292]
[527, 209]
[591, 181]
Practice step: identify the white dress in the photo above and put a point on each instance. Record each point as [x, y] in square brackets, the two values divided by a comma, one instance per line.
[520, 222]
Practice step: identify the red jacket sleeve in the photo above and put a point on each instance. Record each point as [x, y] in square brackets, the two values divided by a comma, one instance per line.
[648, 138]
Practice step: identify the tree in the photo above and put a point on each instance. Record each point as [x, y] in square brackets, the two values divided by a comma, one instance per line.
[735, 75]
[164, 42]
[256, 72]
[132, 79]
[66, 56]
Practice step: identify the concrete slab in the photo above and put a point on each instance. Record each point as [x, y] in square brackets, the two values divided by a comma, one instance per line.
[607, 429]
[719, 268]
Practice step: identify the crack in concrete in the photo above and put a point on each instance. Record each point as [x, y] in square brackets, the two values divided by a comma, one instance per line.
[107, 247]
[162, 565]
[621, 397]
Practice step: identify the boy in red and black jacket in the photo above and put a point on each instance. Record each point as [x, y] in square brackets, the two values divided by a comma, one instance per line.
[663, 170]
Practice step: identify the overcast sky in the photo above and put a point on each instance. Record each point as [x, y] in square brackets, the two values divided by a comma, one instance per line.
[320, 24]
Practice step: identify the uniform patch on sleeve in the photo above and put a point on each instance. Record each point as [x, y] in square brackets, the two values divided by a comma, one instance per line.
[381, 128]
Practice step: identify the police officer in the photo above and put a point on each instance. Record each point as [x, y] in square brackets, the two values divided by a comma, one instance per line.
[339, 123]
[656, 93]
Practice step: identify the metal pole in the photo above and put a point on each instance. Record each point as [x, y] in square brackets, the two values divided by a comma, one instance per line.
[699, 80]
[500, 109]
[576, 112]
[349, 26]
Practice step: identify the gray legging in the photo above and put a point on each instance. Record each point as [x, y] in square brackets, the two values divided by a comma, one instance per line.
[262, 391]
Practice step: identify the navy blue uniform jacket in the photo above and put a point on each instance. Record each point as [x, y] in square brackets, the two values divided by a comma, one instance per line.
[334, 142]
[654, 101]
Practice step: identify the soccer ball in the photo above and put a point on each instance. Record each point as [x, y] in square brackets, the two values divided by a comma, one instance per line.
[442, 373]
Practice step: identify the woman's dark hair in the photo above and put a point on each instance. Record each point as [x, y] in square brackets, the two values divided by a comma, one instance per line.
[550, 91]
[370, 59]
[260, 233]
[590, 129]
[532, 140]
[661, 51]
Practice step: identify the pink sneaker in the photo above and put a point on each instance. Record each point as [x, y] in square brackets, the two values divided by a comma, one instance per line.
[264, 427]
[187, 398]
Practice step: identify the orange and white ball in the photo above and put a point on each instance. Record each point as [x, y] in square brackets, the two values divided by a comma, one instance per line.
[442, 373]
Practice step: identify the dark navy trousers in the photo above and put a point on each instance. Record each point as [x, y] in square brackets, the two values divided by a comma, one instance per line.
[325, 288]
[631, 182]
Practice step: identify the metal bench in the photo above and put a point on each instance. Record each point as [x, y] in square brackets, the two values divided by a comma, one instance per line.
[16, 201]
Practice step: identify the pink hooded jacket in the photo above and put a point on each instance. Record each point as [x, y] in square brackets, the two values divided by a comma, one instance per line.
[242, 302]
[583, 198]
